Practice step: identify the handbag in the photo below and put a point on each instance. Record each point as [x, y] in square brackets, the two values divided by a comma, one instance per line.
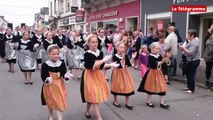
[184, 64]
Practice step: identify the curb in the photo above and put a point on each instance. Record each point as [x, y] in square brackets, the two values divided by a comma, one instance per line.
[181, 79]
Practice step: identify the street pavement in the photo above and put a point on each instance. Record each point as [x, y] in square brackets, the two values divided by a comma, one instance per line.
[22, 102]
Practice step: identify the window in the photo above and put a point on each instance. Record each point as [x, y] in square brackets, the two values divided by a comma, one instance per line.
[51, 8]
[113, 24]
[93, 27]
[68, 6]
[74, 2]
[54, 6]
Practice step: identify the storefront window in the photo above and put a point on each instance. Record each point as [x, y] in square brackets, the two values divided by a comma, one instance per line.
[93, 27]
[110, 24]
[153, 23]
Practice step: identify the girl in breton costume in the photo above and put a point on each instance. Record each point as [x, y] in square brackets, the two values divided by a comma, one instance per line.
[54, 76]
[103, 45]
[10, 49]
[46, 43]
[78, 52]
[38, 41]
[59, 37]
[122, 82]
[26, 57]
[153, 81]
[94, 87]
[74, 54]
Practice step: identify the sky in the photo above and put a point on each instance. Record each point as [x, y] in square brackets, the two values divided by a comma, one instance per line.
[21, 11]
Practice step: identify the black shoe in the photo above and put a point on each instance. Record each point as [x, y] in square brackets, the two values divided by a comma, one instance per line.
[26, 82]
[129, 107]
[168, 82]
[12, 71]
[88, 116]
[164, 106]
[207, 83]
[9, 70]
[150, 105]
[31, 82]
[117, 105]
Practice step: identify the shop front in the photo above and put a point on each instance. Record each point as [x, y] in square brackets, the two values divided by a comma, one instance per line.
[80, 20]
[201, 21]
[124, 16]
[67, 23]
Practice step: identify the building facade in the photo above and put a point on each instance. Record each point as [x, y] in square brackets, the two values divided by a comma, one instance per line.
[42, 18]
[65, 14]
[3, 22]
[112, 14]
[153, 14]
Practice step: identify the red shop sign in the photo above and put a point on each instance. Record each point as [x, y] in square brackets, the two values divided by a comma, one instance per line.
[160, 25]
[79, 16]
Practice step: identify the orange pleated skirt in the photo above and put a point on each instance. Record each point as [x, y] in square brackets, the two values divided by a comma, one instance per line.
[122, 82]
[155, 81]
[96, 89]
[55, 94]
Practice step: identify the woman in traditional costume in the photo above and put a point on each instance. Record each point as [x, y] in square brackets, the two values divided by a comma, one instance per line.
[10, 49]
[47, 42]
[26, 57]
[38, 39]
[2, 44]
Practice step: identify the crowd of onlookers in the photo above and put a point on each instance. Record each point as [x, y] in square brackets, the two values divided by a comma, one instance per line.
[137, 46]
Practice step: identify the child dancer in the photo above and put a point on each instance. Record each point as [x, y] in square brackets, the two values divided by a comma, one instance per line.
[122, 83]
[153, 81]
[143, 59]
[54, 74]
[26, 58]
[94, 87]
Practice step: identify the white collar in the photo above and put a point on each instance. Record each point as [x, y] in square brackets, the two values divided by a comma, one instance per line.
[51, 41]
[60, 37]
[79, 38]
[39, 37]
[102, 38]
[52, 64]
[25, 41]
[97, 53]
[155, 55]
[119, 56]
[11, 36]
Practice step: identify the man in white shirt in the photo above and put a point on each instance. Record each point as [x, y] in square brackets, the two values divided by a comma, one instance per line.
[172, 42]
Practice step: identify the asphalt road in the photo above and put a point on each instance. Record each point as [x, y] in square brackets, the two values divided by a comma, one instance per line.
[22, 102]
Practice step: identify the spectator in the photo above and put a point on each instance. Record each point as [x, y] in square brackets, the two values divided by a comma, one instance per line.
[172, 43]
[176, 31]
[136, 43]
[191, 51]
[208, 55]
